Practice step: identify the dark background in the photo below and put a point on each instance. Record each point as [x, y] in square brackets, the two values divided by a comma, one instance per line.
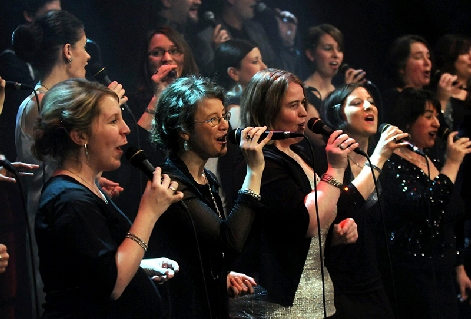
[117, 26]
[369, 26]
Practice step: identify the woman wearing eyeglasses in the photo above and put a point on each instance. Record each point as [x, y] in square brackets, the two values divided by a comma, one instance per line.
[192, 125]
[165, 57]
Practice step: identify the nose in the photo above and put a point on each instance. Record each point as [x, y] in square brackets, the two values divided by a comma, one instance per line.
[427, 61]
[436, 122]
[166, 56]
[125, 129]
[366, 105]
[264, 66]
[302, 110]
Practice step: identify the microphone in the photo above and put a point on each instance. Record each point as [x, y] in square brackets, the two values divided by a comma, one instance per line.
[383, 127]
[261, 7]
[234, 135]
[210, 19]
[6, 163]
[138, 159]
[344, 67]
[320, 127]
[18, 86]
[439, 73]
[100, 74]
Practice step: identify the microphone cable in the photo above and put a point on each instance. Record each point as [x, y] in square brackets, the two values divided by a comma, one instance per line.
[321, 254]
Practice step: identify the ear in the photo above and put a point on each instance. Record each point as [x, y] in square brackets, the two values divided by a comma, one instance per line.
[167, 3]
[67, 51]
[309, 55]
[27, 17]
[233, 73]
[78, 137]
[184, 135]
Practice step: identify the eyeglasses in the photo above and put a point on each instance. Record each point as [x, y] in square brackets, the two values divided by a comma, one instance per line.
[158, 53]
[216, 120]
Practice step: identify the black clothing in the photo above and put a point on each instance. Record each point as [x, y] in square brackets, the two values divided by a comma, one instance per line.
[421, 240]
[78, 235]
[277, 246]
[353, 268]
[192, 233]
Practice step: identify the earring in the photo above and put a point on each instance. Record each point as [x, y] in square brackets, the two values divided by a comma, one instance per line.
[70, 60]
[185, 146]
[86, 151]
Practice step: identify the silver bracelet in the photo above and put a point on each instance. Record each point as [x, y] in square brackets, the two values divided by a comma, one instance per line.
[376, 168]
[251, 193]
[139, 241]
[153, 112]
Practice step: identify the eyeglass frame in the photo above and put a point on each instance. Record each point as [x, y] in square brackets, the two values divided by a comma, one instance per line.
[226, 117]
[177, 52]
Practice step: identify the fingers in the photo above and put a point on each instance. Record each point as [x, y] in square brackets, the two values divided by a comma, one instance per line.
[251, 136]
[4, 256]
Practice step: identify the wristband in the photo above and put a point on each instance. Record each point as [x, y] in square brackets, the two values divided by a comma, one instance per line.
[153, 112]
[376, 168]
[251, 193]
[331, 180]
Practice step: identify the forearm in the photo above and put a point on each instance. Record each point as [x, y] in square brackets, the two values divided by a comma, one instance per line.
[450, 169]
[145, 121]
[327, 197]
[129, 253]
[364, 182]
[252, 180]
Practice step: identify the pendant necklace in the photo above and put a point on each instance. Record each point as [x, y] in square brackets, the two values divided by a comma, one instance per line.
[214, 200]
[351, 159]
[88, 185]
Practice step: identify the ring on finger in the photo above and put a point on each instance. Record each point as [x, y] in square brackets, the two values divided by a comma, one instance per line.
[248, 137]
[341, 147]
[172, 188]
[394, 139]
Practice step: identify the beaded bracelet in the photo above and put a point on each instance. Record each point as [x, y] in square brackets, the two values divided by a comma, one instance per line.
[139, 241]
[376, 168]
[251, 193]
[331, 180]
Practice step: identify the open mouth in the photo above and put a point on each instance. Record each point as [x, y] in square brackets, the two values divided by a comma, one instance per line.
[433, 134]
[369, 118]
[222, 139]
[334, 63]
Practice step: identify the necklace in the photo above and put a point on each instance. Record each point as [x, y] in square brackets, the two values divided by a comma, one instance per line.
[212, 196]
[351, 159]
[100, 194]
[412, 159]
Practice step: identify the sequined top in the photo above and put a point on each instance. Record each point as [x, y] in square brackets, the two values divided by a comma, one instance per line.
[417, 226]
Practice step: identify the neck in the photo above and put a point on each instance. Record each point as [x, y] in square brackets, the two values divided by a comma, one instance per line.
[319, 82]
[57, 75]
[284, 145]
[195, 165]
[232, 19]
[81, 170]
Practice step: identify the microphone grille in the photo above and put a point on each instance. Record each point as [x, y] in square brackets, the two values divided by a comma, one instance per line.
[234, 136]
[316, 125]
[383, 127]
[135, 155]
[343, 68]
[208, 15]
[98, 71]
[261, 7]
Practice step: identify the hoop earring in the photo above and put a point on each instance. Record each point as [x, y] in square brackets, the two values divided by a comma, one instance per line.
[86, 151]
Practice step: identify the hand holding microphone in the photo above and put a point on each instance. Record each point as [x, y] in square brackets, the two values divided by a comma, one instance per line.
[353, 76]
